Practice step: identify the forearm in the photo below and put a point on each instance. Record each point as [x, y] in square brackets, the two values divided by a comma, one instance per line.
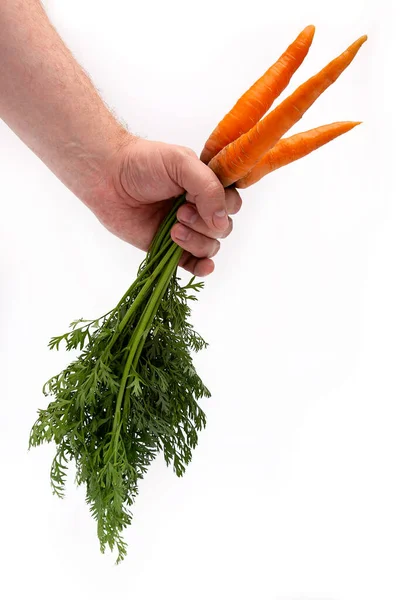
[49, 102]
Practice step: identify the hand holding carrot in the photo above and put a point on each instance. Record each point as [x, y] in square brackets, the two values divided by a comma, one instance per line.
[144, 174]
[242, 148]
[129, 183]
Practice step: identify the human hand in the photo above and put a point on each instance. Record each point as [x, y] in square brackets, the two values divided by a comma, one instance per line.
[145, 179]
[129, 183]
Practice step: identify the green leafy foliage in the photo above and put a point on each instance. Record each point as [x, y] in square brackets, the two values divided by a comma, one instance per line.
[132, 392]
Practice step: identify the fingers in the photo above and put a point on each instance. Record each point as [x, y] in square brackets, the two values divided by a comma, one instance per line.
[233, 200]
[197, 239]
[204, 190]
[197, 244]
[192, 232]
[188, 215]
[204, 218]
[201, 267]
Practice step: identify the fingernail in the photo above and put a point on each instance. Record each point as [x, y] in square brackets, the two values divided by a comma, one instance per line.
[220, 220]
[188, 214]
[181, 232]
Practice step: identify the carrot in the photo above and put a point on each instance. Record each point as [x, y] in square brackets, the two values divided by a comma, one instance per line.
[254, 103]
[293, 148]
[237, 158]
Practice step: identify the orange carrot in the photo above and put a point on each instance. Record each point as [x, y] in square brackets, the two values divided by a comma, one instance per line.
[237, 158]
[254, 103]
[293, 148]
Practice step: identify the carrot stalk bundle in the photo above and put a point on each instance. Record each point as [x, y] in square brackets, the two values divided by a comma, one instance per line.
[133, 390]
[293, 148]
[237, 158]
[258, 99]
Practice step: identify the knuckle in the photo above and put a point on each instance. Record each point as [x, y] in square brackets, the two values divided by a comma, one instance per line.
[234, 200]
[238, 202]
[182, 234]
[213, 189]
[191, 153]
[215, 249]
[203, 247]
[229, 230]
[184, 152]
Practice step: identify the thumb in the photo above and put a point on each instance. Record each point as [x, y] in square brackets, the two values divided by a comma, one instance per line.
[204, 190]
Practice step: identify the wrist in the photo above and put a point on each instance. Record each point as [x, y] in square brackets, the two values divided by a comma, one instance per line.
[95, 170]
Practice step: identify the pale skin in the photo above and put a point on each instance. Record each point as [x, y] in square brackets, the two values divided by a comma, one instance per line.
[129, 183]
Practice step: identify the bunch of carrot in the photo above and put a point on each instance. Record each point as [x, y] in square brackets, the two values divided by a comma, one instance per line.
[133, 391]
[245, 146]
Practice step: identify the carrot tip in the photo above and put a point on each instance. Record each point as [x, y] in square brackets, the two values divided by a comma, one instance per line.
[348, 125]
[309, 29]
[358, 43]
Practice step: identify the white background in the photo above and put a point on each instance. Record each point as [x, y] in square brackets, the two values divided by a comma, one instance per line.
[294, 490]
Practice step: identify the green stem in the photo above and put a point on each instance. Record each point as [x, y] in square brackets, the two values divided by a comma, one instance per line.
[161, 244]
[164, 230]
[143, 324]
[140, 276]
[142, 295]
[156, 244]
[156, 307]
